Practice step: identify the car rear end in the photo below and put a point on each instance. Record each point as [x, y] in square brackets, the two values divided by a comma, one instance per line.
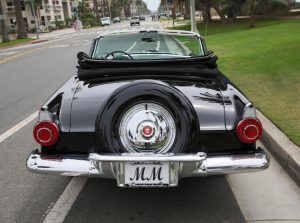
[105, 21]
[148, 128]
[138, 149]
[134, 21]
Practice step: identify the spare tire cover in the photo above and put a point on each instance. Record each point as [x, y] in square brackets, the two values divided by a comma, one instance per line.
[163, 99]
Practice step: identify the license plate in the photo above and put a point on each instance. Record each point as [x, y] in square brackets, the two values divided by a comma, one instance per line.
[146, 174]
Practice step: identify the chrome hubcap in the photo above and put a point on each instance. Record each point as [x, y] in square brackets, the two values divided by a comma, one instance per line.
[147, 127]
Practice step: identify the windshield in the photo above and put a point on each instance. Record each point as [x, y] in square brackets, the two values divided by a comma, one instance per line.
[147, 45]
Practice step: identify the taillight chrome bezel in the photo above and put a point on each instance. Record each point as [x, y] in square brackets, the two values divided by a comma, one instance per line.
[246, 123]
[49, 126]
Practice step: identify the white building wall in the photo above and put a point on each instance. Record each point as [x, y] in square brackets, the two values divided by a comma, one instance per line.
[49, 10]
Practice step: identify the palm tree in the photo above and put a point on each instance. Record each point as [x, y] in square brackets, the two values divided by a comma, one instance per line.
[3, 27]
[96, 10]
[187, 14]
[252, 13]
[216, 5]
[206, 5]
[37, 7]
[22, 34]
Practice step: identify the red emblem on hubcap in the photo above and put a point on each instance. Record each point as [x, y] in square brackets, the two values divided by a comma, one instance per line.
[147, 131]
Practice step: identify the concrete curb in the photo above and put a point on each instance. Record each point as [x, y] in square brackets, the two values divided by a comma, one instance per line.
[38, 41]
[283, 149]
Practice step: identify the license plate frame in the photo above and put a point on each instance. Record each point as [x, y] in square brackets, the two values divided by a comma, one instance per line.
[147, 174]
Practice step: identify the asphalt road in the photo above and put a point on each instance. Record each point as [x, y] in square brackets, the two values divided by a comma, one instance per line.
[29, 75]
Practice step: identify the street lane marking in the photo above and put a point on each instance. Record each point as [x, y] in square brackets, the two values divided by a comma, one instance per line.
[20, 54]
[66, 200]
[59, 46]
[18, 126]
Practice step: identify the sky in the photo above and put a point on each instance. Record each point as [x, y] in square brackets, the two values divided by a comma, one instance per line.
[152, 4]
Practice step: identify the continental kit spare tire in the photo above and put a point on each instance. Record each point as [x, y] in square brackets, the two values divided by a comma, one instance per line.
[146, 116]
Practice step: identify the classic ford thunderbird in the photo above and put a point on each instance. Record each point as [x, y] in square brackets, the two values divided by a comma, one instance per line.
[147, 108]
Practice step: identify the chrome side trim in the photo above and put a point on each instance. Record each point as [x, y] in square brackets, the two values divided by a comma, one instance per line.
[181, 165]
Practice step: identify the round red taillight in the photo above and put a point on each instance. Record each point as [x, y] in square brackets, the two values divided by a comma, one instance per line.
[46, 133]
[249, 130]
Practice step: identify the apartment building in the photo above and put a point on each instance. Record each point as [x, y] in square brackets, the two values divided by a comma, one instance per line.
[103, 7]
[47, 12]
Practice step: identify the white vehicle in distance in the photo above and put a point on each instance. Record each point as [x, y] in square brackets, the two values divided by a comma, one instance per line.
[117, 19]
[105, 21]
[135, 21]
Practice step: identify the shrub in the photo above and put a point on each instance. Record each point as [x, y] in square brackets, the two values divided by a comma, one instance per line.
[59, 24]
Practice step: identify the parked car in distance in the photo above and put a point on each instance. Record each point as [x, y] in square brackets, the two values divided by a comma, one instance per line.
[147, 108]
[52, 24]
[116, 19]
[135, 21]
[105, 21]
[142, 18]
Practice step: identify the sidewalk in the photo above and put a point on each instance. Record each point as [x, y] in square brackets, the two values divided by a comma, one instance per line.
[43, 37]
[53, 34]
[267, 196]
[169, 23]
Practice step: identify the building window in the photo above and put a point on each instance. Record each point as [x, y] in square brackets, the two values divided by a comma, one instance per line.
[43, 20]
[57, 17]
[22, 6]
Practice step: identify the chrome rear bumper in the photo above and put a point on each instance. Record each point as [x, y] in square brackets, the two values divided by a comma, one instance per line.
[181, 165]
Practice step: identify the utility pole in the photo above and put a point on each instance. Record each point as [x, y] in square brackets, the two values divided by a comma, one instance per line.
[193, 16]
[3, 27]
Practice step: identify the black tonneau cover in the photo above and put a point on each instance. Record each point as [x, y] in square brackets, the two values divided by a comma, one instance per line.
[91, 70]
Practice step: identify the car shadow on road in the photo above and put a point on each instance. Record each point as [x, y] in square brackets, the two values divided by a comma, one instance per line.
[194, 200]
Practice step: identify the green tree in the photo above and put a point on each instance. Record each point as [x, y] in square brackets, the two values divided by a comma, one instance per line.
[228, 10]
[263, 7]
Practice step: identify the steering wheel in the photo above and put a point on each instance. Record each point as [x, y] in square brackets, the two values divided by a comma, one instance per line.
[118, 51]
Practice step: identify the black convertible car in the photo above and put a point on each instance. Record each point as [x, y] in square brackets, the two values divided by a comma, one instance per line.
[147, 108]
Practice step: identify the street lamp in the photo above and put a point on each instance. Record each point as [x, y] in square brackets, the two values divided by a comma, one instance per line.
[35, 18]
